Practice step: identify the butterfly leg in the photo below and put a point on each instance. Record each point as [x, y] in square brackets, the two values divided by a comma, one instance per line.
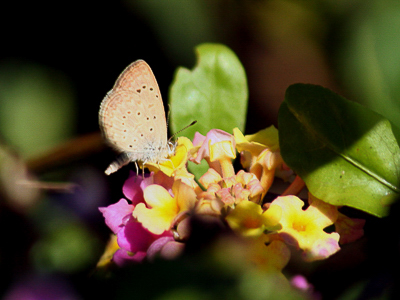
[137, 169]
[144, 163]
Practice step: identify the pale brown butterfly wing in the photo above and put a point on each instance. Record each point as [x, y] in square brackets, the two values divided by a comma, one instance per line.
[132, 116]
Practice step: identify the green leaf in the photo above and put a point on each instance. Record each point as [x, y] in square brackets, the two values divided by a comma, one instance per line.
[214, 93]
[346, 153]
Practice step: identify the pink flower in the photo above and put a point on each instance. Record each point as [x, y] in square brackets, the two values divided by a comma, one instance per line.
[131, 188]
[218, 149]
[135, 242]
[114, 214]
[231, 190]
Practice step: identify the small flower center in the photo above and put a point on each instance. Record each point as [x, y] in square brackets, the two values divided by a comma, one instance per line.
[251, 223]
[298, 226]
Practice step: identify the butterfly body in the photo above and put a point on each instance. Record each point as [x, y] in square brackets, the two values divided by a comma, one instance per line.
[132, 118]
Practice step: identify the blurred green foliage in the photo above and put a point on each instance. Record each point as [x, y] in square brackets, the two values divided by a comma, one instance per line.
[368, 56]
[37, 107]
[65, 245]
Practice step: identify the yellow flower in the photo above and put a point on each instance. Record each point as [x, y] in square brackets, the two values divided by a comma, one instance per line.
[258, 142]
[349, 229]
[248, 218]
[260, 154]
[305, 228]
[269, 256]
[176, 162]
[111, 247]
[162, 208]
[262, 253]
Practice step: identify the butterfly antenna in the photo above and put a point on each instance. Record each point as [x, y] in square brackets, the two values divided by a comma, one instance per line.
[191, 124]
[169, 113]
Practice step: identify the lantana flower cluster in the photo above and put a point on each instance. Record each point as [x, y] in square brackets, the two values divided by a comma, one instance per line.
[154, 219]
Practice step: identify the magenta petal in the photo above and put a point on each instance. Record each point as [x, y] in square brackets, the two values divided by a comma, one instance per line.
[157, 245]
[158, 178]
[114, 214]
[131, 188]
[122, 257]
[147, 181]
[134, 237]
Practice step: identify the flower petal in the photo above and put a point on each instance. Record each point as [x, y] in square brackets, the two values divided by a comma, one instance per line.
[114, 214]
[305, 229]
[134, 237]
[213, 136]
[122, 257]
[163, 209]
[131, 188]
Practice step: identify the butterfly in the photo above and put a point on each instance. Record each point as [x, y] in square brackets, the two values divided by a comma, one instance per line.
[132, 118]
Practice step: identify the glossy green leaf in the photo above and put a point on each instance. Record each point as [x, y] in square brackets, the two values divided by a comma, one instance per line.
[346, 153]
[214, 93]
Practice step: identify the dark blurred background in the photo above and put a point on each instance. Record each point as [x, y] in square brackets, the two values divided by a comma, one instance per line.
[59, 59]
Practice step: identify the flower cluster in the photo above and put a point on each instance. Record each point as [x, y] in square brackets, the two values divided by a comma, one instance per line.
[156, 220]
